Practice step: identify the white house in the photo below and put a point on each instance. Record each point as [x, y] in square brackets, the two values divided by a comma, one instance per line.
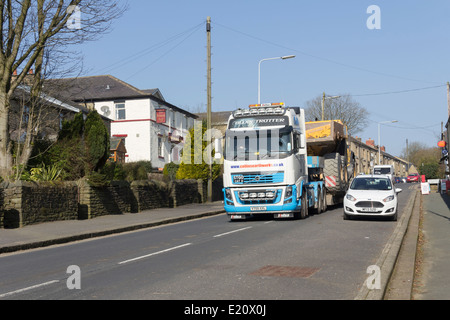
[153, 129]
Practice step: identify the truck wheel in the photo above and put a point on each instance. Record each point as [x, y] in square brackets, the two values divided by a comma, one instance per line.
[304, 208]
[319, 209]
[333, 168]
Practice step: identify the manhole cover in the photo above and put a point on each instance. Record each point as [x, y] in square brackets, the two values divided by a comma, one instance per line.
[283, 271]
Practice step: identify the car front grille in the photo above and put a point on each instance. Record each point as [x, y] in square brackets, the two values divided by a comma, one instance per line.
[369, 204]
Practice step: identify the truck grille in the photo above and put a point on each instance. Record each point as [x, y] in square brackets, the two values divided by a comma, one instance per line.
[257, 178]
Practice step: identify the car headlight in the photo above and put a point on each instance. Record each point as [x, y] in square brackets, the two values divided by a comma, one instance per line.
[390, 198]
[350, 197]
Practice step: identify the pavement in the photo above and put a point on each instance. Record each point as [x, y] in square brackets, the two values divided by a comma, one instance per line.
[433, 276]
[421, 270]
[62, 232]
[414, 265]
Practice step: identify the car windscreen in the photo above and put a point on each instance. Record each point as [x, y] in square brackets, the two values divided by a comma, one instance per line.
[371, 184]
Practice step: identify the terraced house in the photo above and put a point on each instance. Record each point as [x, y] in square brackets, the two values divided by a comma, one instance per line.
[152, 128]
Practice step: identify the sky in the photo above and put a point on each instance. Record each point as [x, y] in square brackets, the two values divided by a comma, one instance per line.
[397, 72]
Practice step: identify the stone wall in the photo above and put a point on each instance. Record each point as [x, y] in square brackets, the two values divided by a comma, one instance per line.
[1, 207]
[151, 195]
[26, 203]
[115, 198]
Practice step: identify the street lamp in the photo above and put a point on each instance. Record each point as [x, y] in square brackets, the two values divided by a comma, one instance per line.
[379, 137]
[323, 103]
[259, 72]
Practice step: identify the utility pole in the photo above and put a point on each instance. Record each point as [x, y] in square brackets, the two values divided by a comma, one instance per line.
[407, 155]
[448, 98]
[209, 94]
[323, 106]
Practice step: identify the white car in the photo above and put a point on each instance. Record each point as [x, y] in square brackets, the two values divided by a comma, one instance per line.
[371, 195]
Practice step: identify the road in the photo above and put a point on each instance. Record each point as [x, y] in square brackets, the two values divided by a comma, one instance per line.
[321, 257]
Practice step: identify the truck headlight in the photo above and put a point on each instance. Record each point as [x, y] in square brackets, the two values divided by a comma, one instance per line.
[228, 194]
[288, 192]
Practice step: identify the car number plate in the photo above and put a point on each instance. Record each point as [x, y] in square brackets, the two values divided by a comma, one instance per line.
[369, 209]
[258, 208]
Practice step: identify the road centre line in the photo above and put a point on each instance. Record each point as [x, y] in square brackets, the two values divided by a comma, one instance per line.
[28, 289]
[155, 253]
[227, 233]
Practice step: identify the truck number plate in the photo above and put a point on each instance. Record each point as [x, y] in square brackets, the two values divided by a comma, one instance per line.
[284, 215]
[258, 208]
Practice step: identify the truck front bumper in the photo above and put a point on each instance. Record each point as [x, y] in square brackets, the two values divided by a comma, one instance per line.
[284, 204]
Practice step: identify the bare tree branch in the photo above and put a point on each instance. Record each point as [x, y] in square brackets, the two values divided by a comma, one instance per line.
[344, 108]
[37, 34]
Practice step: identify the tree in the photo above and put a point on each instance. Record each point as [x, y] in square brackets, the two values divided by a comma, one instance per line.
[96, 140]
[82, 146]
[425, 159]
[190, 167]
[33, 35]
[344, 108]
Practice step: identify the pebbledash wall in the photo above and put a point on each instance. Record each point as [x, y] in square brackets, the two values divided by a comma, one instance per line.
[27, 203]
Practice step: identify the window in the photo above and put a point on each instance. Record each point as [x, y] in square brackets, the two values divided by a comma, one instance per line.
[160, 147]
[120, 111]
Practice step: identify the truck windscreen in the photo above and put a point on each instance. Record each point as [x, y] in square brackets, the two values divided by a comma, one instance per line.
[250, 145]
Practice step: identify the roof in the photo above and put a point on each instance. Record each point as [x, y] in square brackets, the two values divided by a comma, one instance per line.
[220, 117]
[24, 90]
[105, 87]
[102, 88]
[116, 144]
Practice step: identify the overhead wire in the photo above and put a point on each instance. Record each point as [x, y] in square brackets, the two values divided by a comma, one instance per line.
[127, 60]
[167, 52]
[322, 58]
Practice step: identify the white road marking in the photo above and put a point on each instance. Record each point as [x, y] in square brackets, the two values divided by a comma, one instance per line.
[227, 233]
[28, 289]
[155, 253]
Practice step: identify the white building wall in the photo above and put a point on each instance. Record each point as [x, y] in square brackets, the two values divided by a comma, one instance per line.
[141, 132]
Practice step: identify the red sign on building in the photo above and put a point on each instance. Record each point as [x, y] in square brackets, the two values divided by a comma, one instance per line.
[160, 115]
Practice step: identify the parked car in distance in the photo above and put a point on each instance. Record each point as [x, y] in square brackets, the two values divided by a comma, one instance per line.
[371, 195]
[414, 177]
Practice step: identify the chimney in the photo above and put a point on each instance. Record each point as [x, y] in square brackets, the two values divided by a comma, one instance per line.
[370, 142]
[383, 149]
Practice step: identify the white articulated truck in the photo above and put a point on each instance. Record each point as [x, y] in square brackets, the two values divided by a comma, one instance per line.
[267, 168]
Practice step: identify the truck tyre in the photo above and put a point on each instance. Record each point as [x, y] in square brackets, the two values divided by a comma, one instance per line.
[304, 204]
[320, 202]
[333, 167]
